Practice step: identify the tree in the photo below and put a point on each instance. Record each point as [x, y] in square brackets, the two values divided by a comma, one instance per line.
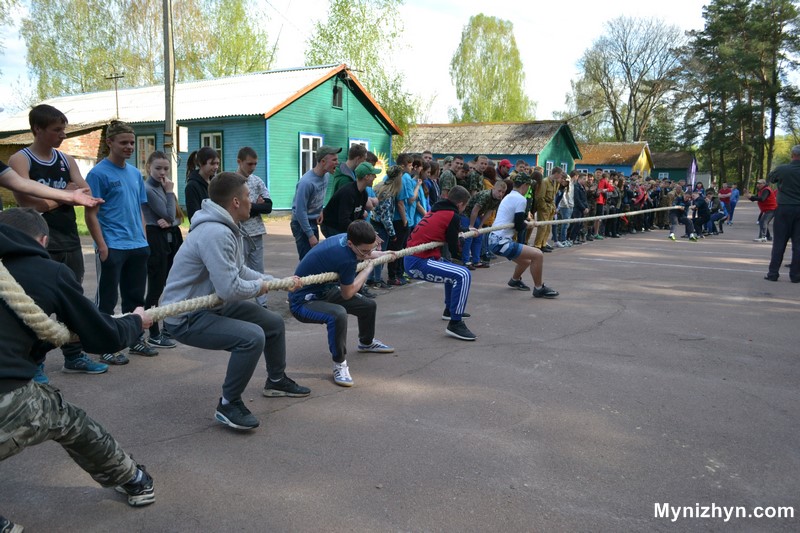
[597, 127]
[735, 76]
[634, 65]
[488, 75]
[347, 35]
[5, 10]
[74, 44]
[71, 45]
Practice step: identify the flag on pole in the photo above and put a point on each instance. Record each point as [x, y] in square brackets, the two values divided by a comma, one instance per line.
[693, 172]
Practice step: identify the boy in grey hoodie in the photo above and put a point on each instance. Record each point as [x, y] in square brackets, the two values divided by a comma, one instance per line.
[211, 260]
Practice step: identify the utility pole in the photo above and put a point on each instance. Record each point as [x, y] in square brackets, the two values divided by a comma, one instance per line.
[170, 133]
[116, 76]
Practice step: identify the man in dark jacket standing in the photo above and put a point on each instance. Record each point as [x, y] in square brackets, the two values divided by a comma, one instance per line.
[787, 217]
[32, 413]
[580, 205]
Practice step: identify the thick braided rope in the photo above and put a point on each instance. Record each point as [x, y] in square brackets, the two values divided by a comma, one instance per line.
[31, 314]
[49, 330]
[205, 302]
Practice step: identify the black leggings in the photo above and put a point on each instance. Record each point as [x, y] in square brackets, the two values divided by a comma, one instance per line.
[395, 269]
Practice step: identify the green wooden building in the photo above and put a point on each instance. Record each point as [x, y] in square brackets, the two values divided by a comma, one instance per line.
[675, 166]
[547, 143]
[284, 115]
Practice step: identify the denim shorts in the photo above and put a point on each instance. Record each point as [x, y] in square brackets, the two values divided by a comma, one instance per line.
[504, 246]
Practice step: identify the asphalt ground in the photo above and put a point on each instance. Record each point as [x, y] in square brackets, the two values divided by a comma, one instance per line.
[665, 373]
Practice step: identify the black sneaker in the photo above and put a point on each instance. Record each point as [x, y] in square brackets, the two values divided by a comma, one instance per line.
[518, 284]
[236, 415]
[139, 492]
[285, 387]
[544, 292]
[161, 341]
[446, 314]
[142, 348]
[459, 330]
[365, 292]
[7, 526]
[116, 358]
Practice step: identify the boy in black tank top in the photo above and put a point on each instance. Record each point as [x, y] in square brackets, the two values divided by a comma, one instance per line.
[41, 162]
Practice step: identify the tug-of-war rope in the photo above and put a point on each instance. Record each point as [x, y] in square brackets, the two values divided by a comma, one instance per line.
[56, 333]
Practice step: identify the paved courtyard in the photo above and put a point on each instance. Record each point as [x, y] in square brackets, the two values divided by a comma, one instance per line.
[665, 373]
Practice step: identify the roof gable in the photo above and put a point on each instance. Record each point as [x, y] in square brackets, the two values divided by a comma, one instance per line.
[612, 153]
[260, 93]
[508, 138]
[675, 159]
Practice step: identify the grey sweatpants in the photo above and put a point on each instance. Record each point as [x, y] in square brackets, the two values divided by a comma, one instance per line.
[246, 330]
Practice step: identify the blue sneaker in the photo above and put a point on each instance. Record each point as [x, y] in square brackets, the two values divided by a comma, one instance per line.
[83, 365]
[375, 346]
[40, 376]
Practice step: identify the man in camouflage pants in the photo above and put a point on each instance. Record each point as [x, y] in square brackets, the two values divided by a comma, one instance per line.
[32, 413]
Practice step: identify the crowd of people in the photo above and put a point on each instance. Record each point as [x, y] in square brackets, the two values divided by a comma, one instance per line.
[143, 257]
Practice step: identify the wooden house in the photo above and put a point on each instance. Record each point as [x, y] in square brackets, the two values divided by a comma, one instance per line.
[547, 143]
[284, 115]
[674, 166]
[624, 157]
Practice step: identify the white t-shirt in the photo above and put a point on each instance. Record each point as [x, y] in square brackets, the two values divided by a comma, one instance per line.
[513, 203]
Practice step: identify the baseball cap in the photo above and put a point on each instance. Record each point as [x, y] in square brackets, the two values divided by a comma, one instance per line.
[324, 150]
[364, 169]
[521, 179]
[505, 163]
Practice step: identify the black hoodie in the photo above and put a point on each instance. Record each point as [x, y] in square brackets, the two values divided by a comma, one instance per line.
[195, 192]
[54, 289]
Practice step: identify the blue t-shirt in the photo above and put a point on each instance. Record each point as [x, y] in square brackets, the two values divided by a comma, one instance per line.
[331, 255]
[406, 192]
[120, 216]
[414, 216]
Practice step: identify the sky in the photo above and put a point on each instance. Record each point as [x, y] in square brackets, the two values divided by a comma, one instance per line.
[551, 37]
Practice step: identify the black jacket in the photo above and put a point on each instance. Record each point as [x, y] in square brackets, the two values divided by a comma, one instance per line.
[195, 192]
[54, 289]
[580, 203]
[346, 205]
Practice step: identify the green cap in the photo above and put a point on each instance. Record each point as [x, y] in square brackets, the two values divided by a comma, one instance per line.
[449, 159]
[364, 169]
[324, 150]
[522, 179]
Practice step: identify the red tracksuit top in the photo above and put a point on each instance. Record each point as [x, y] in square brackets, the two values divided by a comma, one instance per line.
[442, 223]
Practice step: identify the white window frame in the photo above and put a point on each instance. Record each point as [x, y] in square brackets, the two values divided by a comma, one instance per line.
[548, 167]
[145, 145]
[663, 175]
[363, 142]
[308, 144]
[564, 167]
[214, 140]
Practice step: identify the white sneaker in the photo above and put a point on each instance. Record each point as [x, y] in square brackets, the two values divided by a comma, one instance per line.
[558, 244]
[341, 374]
[568, 243]
[760, 239]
